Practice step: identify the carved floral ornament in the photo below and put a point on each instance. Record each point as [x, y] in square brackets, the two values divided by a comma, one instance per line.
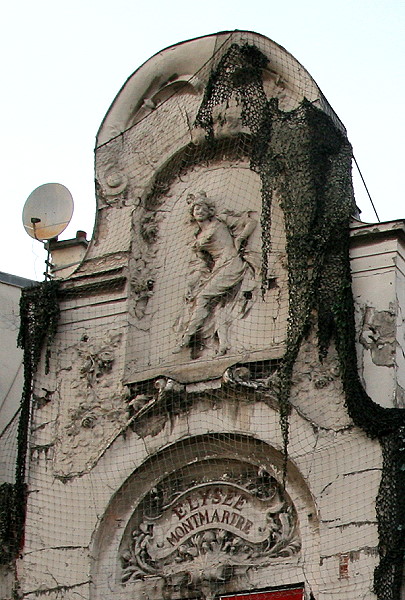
[112, 186]
[96, 401]
[261, 377]
[210, 533]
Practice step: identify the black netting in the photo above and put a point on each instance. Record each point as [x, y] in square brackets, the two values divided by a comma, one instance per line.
[307, 159]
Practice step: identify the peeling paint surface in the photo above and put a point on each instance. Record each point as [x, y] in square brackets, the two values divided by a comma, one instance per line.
[150, 467]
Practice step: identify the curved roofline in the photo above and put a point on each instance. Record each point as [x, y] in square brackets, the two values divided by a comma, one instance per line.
[154, 71]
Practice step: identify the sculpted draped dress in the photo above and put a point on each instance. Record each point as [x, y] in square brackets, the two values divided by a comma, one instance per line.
[215, 247]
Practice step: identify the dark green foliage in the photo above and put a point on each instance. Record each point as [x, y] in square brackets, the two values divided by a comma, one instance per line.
[39, 314]
[8, 524]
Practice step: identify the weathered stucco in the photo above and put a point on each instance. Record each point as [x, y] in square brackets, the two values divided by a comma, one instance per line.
[122, 410]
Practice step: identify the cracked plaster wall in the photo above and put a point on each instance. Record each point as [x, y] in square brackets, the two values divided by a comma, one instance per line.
[377, 259]
[333, 475]
[82, 453]
[336, 462]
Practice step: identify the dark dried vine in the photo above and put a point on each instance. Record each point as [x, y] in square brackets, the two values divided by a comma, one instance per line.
[39, 315]
[8, 523]
[303, 157]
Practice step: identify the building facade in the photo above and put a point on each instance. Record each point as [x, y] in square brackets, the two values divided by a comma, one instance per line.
[219, 418]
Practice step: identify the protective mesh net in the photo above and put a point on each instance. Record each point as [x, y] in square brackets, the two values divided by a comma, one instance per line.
[194, 434]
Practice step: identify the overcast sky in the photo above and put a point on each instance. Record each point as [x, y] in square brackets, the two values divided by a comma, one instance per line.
[63, 62]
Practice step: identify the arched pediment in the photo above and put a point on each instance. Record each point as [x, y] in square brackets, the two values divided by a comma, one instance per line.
[203, 516]
[156, 115]
[182, 68]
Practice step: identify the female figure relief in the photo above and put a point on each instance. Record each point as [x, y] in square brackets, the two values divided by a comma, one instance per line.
[218, 269]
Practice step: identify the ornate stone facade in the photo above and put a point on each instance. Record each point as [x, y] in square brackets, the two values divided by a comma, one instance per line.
[204, 307]
[210, 531]
[159, 462]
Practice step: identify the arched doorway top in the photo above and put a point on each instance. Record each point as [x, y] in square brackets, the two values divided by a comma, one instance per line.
[206, 513]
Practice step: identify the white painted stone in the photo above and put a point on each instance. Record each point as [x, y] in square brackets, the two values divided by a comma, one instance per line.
[93, 464]
[65, 567]
[334, 502]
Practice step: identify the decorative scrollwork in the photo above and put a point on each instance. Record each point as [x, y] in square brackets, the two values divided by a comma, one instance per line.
[208, 531]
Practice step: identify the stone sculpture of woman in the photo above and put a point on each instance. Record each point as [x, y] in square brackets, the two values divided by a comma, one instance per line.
[218, 268]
